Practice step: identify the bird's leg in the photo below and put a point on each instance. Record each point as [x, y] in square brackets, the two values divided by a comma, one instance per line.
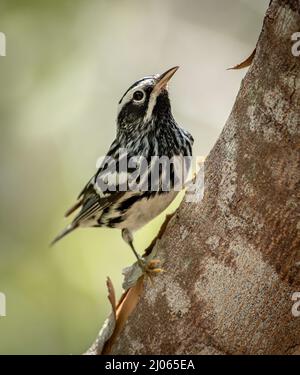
[128, 238]
[147, 267]
[140, 260]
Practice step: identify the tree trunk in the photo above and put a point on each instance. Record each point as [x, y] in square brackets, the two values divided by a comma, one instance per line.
[232, 260]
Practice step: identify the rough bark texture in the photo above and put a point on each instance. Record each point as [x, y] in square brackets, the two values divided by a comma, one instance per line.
[232, 260]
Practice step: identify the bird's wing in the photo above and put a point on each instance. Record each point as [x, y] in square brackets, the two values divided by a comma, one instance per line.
[94, 198]
[80, 198]
[91, 206]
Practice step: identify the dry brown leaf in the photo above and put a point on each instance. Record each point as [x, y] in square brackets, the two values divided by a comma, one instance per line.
[125, 307]
[109, 325]
[111, 296]
[245, 63]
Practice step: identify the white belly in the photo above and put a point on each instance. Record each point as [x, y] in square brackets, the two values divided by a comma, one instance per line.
[145, 210]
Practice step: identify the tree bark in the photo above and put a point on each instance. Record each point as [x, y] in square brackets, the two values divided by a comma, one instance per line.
[232, 260]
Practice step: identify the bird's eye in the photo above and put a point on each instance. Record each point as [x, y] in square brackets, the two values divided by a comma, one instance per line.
[138, 96]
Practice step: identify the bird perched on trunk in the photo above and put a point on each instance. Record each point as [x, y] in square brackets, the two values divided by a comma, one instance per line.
[147, 131]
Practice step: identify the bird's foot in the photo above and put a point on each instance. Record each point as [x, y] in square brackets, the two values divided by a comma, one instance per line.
[150, 267]
[143, 267]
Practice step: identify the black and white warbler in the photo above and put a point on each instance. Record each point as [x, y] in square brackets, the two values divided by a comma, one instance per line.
[146, 129]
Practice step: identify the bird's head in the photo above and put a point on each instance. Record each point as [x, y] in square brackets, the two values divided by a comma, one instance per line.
[146, 102]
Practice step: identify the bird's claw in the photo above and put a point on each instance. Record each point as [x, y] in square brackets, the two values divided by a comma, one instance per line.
[151, 267]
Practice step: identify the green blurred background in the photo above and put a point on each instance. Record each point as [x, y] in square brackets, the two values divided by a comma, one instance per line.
[68, 62]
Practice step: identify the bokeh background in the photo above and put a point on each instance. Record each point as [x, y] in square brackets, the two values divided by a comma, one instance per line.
[68, 62]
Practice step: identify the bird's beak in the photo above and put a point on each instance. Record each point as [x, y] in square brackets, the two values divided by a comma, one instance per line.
[164, 78]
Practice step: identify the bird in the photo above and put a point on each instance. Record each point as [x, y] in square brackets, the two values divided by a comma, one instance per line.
[146, 130]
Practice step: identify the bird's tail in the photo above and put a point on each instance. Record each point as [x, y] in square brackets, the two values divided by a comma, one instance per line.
[63, 233]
